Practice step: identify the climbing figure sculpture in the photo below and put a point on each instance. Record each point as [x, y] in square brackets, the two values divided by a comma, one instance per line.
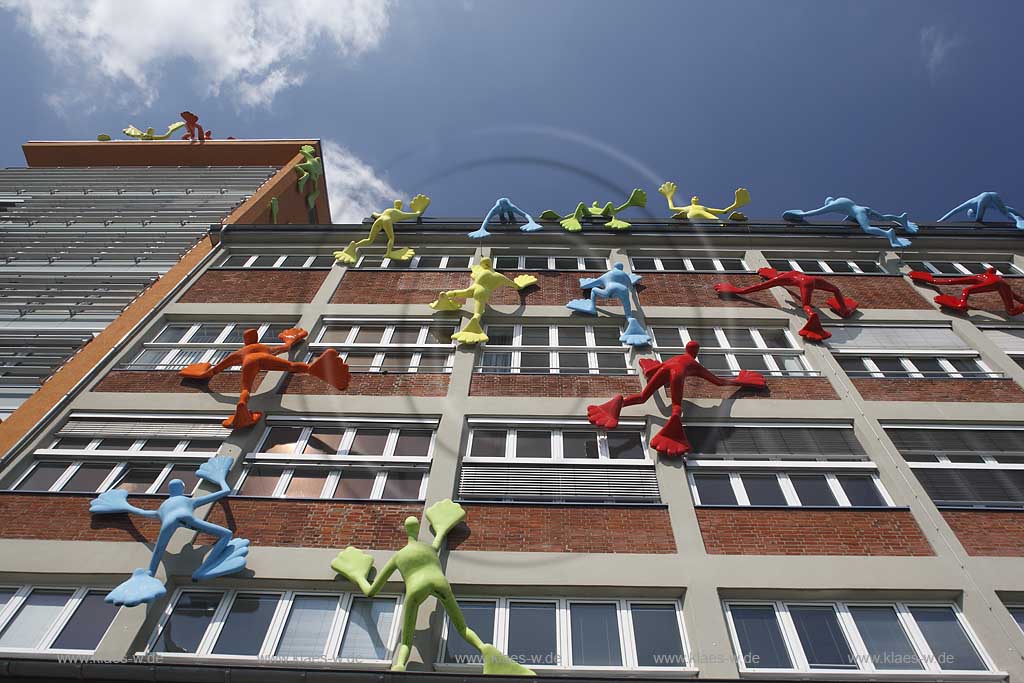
[226, 557]
[572, 222]
[807, 284]
[615, 284]
[310, 169]
[424, 577]
[506, 212]
[696, 212]
[977, 206]
[670, 439]
[193, 129]
[485, 281]
[989, 281]
[862, 215]
[255, 357]
[148, 134]
[385, 221]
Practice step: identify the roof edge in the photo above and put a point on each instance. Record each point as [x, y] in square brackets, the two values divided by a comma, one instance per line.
[79, 154]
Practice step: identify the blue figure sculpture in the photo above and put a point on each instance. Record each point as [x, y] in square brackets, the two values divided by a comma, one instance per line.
[862, 215]
[507, 212]
[615, 284]
[976, 207]
[226, 557]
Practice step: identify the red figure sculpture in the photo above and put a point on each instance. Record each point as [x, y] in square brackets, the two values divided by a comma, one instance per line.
[670, 439]
[255, 357]
[194, 130]
[989, 281]
[813, 330]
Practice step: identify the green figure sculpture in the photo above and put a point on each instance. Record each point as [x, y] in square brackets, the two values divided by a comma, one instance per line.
[148, 134]
[572, 222]
[423, 576]
[385, 221]
[310, 169]
[485, 281]
[696, 212]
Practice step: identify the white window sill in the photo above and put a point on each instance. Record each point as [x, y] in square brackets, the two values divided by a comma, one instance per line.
[611, 673]
[819, 675]
[309, 663]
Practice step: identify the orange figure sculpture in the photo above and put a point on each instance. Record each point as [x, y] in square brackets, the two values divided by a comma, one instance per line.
[194, 130]
[255, 357]
[813, 330]
[670, 439]
[989, 281]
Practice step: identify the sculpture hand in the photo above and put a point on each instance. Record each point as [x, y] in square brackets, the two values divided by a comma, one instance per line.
[749, 378]
[293, 335]
[353, 564]
[668, 190]
[419, 203]
[524, 281]
[742, 197]
[726, 288]
[115, 500]
[215, 470]
[921, 276]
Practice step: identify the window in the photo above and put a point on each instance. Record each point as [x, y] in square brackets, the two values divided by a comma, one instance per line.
[727, 350]
[1017, 612]
[826, 266]
[1010, 341]
[452, 259]
[179, 344]
[773, 442]
[850, 636]
[570, 443]
[953, 268]
[421, 346]
[905, 352]
[287, 625]
[277, 261]
[806, 484]
[965, 467]
[535, 262]
[45, 619]
[554, 349]
[699, 262]
[917, 367]
[565, 633]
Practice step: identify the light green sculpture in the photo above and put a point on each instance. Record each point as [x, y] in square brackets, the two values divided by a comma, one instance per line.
[485, 281]
[275, 207]
[572, 222]
[310, 169]
[423, 577]
[149, 134]
[697, 212]
[385, 221]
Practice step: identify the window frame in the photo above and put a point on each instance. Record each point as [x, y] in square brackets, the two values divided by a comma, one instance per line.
[278, 265]
[22, 593]
[512, 426]
[210, 349]
[959, 267]
[382, 347]
[766, 353]
[414, 262]
[871, 369]
[687, 258]
[782, 469]
[498, 256]
[823, 266]
[553, 349]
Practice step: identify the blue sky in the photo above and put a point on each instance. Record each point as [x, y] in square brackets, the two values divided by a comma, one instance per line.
[907, 106]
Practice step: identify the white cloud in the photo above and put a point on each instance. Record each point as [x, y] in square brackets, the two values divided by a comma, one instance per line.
[250, 50]
[936, 46]
[354, 188]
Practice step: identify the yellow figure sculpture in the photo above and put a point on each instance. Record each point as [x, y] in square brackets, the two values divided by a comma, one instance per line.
[485, 281]
[696, 212]
[385, 221]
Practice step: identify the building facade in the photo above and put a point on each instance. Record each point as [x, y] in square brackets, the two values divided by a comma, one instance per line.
[858, 519]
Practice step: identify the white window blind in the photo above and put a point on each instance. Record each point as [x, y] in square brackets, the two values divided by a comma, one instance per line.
[853, 338]
[1010, 340]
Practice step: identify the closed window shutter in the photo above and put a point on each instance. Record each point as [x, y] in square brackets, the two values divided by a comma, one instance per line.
[558, 482]
[153, 429]
[891, 338]
[958, 441]
[727, 440]
[973, 487]
[1010, 341]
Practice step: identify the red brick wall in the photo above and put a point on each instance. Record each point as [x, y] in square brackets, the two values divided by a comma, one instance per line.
[66, 517]
[758, 531]
[698, 289]
[988, 301]
[170, 382]
[553, 288]
[553, 385]
[953, 390]
[992, 533]
[373, 384]
[872, 292]
[564, 529]
[805, 388]
[255, 286]
[316, 523]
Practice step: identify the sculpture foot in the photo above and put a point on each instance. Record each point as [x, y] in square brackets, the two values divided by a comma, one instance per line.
[348, 255]
[196, 371]
[141, 587]
[1015, 310]
[1019, 221]
[950, 301]
[479, 234]
[607, 414]
[726, 288]
[496, 663]
[228, 561]
[582, 306]
[793, 216]
[353, 564]
[529, 226]
[398, 667]
[671, 439]
[617, 224]
[851, 306]
[571, 225]
[400, 254]
[897, 242]
[635, 334]
[445, 303]
[813, 329]
[472, 333]
[737, 216]
[330, 368]
[242, 418]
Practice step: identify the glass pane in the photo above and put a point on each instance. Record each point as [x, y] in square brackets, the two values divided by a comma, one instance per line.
[666, 336]
[87, 625]
[717, 363]
[369, 442]
[714, 489]
[497, 362]
[705, 335]
[397, 362]
[535, 262]
[260, 481]
[429, 262]
[595, 634]
[158, 444]
[761, 642]
[738, 337]
[532, 634]
[186, 472]
[199, 446]
[323, 441]
[206, 334]
[306, 484]
[579, 445]
[336, 334]
[138, 479]
[488, 443]
[839, 266]
[246, 624]
[413, 443]
[822, 638]
[572, 336]
[533, 444]
[852, 366]
[573, 363]
[479, 617]
[185, 357]
[680, 264]
[884, 638]
[369, 334]
[88, 478]
[591, 263]
[790, 364]
[611, 363]
[506, 262]
[406, 334]
[626, 446]
[605, 335]
[236, 261]
[5, 596]
[775, 338]
[42, 477]
[780, 264]
[966, 366]
[752, 362]
[172, 334]
[1016, 612]
[73, 444]
[361, 361]
[861, 490]
[946, 267]
[433, 361]
[402, 486]
[34, 617]
[120, 444]
[534, 335]
[366, 634]
[460, 262]
[308, 626]
[642, 263]
[930, 367]
[295, 261]
[535, 363]
[355, 484]
[946, 638]
[656, 635]
[763, 489]
[813, 489]
[500, 335]
[566, 263]
[264, 261]
[732, 264]
[282, 440]
[441, 334]
[809, 265]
